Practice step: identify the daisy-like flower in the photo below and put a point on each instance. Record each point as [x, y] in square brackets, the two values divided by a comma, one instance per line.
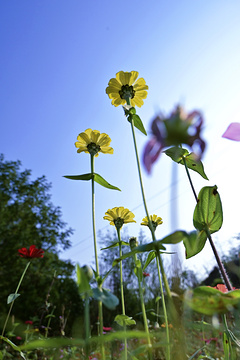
[127, 86]
[156, 220]
[92, 142]
[31, 253]
[119, 216]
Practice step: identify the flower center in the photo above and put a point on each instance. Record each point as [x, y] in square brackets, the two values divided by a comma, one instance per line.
[127, 92]
[93, 148]
[118, 222]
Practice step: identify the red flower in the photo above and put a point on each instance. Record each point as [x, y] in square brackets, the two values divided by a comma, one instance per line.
[222, 288]
[29, 322]
[31, 253]
[107, 328]
[145, 274]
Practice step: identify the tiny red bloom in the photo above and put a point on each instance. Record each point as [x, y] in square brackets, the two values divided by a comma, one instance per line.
[29, 322]
[31, 253]
[107, 328]
[222, 288]
[145, 274]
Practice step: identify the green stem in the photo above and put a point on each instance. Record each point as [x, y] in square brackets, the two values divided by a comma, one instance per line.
[166, 285]
[100, 313]
[49, 321]
[164, 308]
[87, 324]
[143, 309]
[159, 260]
[122, 292]
[19, 284]
[219, 262]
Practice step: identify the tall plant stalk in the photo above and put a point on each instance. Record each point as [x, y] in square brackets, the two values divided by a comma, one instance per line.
[121, 288]
[158, 258]
[11, 306]
[100, 311]
[140, 289]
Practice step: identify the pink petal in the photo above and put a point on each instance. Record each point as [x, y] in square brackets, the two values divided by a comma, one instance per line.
[232, 132]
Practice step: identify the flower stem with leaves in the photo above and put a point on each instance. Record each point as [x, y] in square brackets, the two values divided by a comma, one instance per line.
[121, 288]
[219, 262]
[100, 311]
[138, 273]
[14, 296]
[159, 260]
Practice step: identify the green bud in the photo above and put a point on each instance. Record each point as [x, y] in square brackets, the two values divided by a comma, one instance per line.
[88, 272]
[133, 242]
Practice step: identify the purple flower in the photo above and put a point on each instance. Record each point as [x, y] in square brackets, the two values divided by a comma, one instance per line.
[232, 132]
[177, 129]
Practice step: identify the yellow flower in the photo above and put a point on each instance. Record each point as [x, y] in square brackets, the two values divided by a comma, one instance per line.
[119, 216]
[126, 86]
[154, 219]
[92, 142]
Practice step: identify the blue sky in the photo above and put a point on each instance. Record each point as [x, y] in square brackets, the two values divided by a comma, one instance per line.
[56, 60]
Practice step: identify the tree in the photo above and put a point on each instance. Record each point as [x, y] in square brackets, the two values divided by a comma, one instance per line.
[28, 217]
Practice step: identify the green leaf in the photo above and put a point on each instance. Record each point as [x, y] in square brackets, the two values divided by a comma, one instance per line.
[12, 297]
[138, 269]
[154, 245]
[195, 165]
[62, 342]
[194, 242]
[150, 258]
[15, 347]
[226, 346]
[116, 244]
[138, 124]
[174, 238]
[97, 178]
[106, 275]
[82, 281]
[210, 301]
[79, 177]
[208, 213]
[177, 154]
[101, 181]
[107, 298]
[124, 320]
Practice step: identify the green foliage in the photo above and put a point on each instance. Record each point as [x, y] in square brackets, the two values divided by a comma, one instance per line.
[27, 217]
[177, 154]
[124, 320]
[15, 347]
[210, 301]
[208, 215]
[107, 298]
[12, 297]
[82, 281]
[194, 242]
[98, 178]
[135, 119]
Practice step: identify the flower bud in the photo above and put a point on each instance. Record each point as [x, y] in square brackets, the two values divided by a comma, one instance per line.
[88, 272]
[133, 242]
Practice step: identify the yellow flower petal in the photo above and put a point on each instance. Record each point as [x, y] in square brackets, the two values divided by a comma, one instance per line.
[97, 142]
[127, 84]
[133, 78]
[119, 213]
